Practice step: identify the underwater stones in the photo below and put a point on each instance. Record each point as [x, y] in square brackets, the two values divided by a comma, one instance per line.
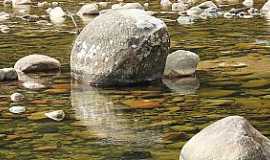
[8, 74]
[58, 115]
[88, 9]
[120, 47]
[37, 63]
[142, 103]
[17, 97]
[181, 63]
[17, 109]
[231, 138]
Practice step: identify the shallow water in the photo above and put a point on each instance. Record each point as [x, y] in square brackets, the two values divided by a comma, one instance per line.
[151, 122]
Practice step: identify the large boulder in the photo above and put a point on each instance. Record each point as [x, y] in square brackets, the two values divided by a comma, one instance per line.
[121, 47]
[231, 138]
[37, 63]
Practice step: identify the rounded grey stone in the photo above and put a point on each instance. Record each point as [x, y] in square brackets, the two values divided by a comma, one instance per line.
[37, 63]
[121, 47]
[231, 138]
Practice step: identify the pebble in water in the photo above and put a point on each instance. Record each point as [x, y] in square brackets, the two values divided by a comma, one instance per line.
[16, 97]
[248, 3]
[4, 28]
[17, 109]
[4, 16]
[58, 115]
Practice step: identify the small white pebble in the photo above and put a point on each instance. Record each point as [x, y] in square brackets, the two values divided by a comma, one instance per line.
[16, 97]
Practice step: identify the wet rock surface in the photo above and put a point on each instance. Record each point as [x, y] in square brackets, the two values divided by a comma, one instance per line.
[137, 55]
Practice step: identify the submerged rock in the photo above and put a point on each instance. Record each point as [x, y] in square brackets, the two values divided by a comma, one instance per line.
[181, 63]
[185, 85]
[205, 9]
[17, 109]
[121, 47]
[37, 63]
[88, 9]
[8, 74]
[43, 4]
[17, 97]
[58, 115]
[231, 138]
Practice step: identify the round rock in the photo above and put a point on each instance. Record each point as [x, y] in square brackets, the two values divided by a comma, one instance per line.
[231, 138]
[17, 109]
[121, 47]
[37, 63]
[17, 97]
[181, 63]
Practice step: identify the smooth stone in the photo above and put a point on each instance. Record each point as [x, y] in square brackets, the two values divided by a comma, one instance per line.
[43, 4]
[17, 109]
[165, 3]
[133, 6]
[248, 3]
[137, 55]
[17, 97]
[37, 63]
[20, 2]
[265, 10]
[179, 7]
[88, 9]
[34, 85]
[4, 29]
[185, 20]
[8, 74]
[58, 115]
[146, 5]
[231, 138]
[56, 14]
[103, 5]
[4, 16]
[55, 4]
[181, 63]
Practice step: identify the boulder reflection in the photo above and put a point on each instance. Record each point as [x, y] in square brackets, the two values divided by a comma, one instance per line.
[104, 112]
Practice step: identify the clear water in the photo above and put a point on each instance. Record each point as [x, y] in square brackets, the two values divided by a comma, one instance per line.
[151, 122]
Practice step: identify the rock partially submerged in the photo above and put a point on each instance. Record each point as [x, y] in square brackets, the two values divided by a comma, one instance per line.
[37, 63]
[88, 9]
[121, 47]
[181, 63]
[58, 115]
[4, 16]
[8, 74]
[17, 97]
[231, 138]
[17, 109]
[20, 2]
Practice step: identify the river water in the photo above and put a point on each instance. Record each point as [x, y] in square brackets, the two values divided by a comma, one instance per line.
[151, 122]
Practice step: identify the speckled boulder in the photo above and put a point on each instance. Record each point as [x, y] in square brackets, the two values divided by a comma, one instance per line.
[120, 47]
[231, 138]
[37, 63]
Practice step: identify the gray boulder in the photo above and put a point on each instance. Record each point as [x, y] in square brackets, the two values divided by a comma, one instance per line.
[8, 74]
[181, 63]
[121, 47]
[37, 63]
[231, 138]
[88, 9]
